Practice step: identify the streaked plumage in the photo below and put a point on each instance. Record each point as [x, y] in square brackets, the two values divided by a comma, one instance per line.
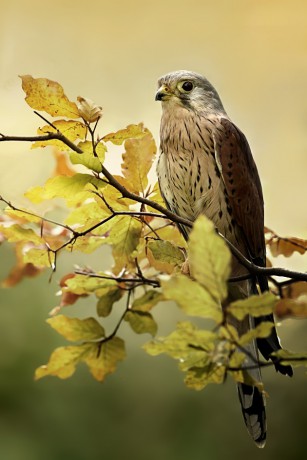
[206, 167]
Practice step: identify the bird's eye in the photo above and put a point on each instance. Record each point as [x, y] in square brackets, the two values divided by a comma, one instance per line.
[187, 86]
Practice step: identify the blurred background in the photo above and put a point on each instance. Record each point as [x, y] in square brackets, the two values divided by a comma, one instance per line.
[255, 53]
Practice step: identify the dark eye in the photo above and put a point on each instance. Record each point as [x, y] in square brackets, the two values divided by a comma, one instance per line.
[187, 86]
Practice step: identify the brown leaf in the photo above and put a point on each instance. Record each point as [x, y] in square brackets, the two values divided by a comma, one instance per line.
[293, 308]
[284, 246]
[62, 165]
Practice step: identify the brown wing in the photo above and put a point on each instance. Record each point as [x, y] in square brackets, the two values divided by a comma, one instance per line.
[242, 184]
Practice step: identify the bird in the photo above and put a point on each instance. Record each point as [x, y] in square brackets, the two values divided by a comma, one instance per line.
[205, 166]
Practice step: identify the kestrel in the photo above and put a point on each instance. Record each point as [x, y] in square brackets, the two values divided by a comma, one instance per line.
[206, 167]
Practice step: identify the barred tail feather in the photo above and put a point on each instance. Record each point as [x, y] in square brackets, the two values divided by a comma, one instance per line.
[253, 408]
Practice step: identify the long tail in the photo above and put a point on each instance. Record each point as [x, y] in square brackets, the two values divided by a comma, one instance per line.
[251, 397]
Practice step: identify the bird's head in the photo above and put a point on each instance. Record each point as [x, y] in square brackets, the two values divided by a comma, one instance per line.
[189, 90]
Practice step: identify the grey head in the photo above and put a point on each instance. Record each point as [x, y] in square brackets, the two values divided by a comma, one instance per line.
[189, 90]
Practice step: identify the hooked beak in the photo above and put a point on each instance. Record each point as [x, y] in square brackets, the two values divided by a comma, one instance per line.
[163, 93]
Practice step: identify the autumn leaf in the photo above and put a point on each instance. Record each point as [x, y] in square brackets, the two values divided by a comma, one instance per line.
[289, 358]
[147, 301]
[132, 131]
[63, 361]
[88, 110]
[209, 258]
[124, 237]
[191, 297]
[73, 130]
[62, 166]
[88, 158]
[141, 322]
[47, 95]
[292, 308]
[198, 378]
[107, 297]
[39, 257]
[284, 246]
[16, 233]
[102, 359]
[21, 269]
[255, 305]
[75, 329]
[72, 189]
[164, 256]
[137, 161]
[261, 331]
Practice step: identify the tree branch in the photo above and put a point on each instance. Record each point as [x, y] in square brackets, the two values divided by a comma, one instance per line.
[252, 268]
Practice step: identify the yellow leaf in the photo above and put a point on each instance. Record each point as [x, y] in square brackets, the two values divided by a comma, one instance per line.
[72, 189]
[198, 378]
[293, 359]
[86, 216]
[81, 284]
[15, 233]
[137, 161]
[48, 95]
[256, 305]
[39, 257]
[71, 129]
[141, 322]
[102, 359]
[185, 343]
[261, 331]
[209, 258]
[75, 329]
[132, 131]
[147, 301]
[23, 216]
[192, 297]
[124, 238]
[63, 361]
[87, 158]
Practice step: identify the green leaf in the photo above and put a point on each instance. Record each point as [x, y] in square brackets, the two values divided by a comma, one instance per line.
[192, 297]
[87, 158]
[293, 359]
[102, 359]
[107, 297]
[255, 305]
[141, 322]
[198, 378]
[132, 131]
[147, 301]
[75, 329]
[263, 330]
[184, 342]
[209, 258]
[165, 253]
